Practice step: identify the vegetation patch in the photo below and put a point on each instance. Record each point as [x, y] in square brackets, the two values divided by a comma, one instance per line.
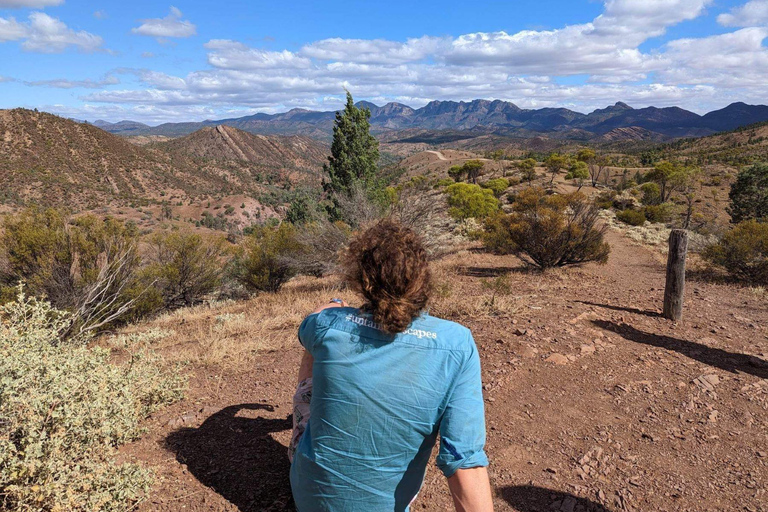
[65, 408]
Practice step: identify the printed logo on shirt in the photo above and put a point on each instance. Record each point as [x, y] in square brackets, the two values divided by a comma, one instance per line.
[373, 325]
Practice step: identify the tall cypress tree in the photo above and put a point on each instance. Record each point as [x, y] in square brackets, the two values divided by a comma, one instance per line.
[354, 151]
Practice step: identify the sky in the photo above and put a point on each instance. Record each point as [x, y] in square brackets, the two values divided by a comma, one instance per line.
[193, 60]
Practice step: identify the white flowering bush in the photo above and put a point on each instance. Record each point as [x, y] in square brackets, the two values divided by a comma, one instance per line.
[64, 408]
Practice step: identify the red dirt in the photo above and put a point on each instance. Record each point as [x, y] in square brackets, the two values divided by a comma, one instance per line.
[593, 402]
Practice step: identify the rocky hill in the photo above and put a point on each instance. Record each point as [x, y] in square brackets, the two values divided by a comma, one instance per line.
[497, 117]
[227, 143]
[49, 160]
[738, 147]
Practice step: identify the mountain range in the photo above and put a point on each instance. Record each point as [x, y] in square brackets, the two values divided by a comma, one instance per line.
[482, 116]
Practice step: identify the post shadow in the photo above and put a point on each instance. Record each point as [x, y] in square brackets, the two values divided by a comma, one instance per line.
[719, 358]
[529, 498]
[237, 457]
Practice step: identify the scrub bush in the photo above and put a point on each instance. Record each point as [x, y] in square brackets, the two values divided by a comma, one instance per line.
[743, 252]
[631, 217]
[468, 201]
[265, 263]
[64, 409]
[498, 186]
[549, 230]
[658, 212]
[185, 267]
[749, 194]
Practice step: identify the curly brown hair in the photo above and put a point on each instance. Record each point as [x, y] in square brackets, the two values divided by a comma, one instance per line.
[388, 265]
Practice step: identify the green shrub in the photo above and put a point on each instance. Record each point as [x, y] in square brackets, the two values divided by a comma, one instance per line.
[495, 235]
[658, 212]
[185, 267]
[498, 186]
[743, 252]
[65, 408]
[651, 193]
[549, 230]
[468, 201]
[444, 182]
[265, 261]
[604, 200]
[71, 262]
[631, 217]
[749, 194]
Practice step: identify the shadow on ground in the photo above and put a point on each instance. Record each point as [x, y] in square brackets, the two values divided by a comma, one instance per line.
[527, 498]
[728, 361]
[636, 311]
[233, 453]
[488, 272]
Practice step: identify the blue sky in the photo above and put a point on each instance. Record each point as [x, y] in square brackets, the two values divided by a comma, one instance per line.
[188, 60]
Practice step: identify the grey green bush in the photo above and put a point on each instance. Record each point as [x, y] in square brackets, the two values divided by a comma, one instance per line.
[64, 409]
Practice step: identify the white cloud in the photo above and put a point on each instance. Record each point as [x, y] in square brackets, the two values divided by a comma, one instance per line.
[11, 30]
[751, 14]
[62, 83]
[524, 67]
[375, 51]
[170, 26]
[29, 4]
[228, 54]
[46, 34]
[100, 15]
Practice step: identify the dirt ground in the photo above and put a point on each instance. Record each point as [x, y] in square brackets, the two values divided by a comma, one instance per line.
[593, 401]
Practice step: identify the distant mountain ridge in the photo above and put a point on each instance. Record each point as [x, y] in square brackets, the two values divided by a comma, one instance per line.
[486, 116]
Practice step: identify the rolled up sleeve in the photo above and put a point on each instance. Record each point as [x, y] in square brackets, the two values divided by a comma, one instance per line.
[462, 428]
[308, 331]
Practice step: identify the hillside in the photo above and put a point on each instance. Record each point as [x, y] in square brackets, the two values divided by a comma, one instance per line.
[484, 116]
[739, 147]
[227, 143]
[49, 160]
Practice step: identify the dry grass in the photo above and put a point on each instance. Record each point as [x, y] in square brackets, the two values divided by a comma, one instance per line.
[231, 334]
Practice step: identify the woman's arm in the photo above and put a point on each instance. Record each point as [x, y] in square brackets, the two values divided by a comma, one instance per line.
[471, 490]
[305, 370]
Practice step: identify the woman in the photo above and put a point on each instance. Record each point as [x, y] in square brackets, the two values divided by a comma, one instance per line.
[378, 384]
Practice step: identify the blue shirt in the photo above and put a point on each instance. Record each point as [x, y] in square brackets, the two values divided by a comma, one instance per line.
[378, 404]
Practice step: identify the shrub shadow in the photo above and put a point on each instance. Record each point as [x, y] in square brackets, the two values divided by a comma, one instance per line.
[528, 498]
[636, 311]
[489, 272]
[719, 358]
[233, 453]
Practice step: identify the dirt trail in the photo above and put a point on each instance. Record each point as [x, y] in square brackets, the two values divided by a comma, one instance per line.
[593, 401]
[440, 156]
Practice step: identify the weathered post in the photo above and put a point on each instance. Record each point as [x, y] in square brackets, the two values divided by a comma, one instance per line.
[675, 288]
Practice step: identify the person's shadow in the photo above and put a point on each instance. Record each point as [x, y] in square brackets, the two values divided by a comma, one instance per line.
[529, 498]
[233, 453]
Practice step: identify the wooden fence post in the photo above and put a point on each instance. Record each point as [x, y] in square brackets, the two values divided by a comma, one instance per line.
[675, 288]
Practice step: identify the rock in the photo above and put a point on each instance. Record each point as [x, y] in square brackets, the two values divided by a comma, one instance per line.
[558, 359]
[528, 352]
[707, 382]
[520, 332]
[587, 350]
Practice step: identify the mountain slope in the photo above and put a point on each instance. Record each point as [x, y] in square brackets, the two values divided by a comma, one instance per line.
[52, 161]
[486, 116]
[227, 143]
